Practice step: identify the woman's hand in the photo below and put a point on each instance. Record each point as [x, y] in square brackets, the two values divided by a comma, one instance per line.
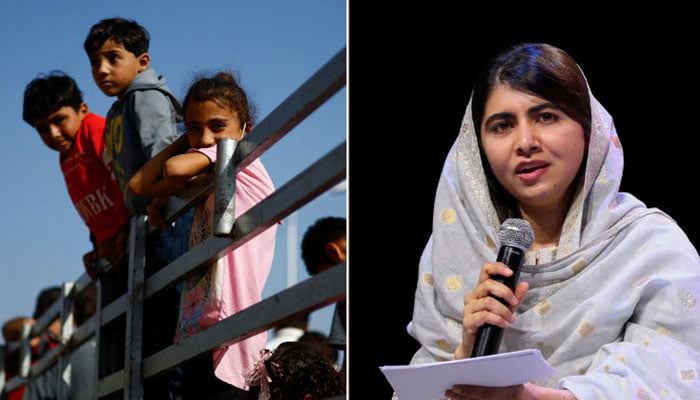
[527, 391]
[480, 308]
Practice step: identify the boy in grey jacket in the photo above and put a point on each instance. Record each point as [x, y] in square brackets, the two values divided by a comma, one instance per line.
[141, 122]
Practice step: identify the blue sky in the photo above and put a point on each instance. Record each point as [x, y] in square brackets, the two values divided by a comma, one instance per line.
[274, 47]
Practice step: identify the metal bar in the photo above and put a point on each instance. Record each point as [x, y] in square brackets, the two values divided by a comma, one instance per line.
[46, 361]
[97, 320]
[323, 84]
[292, 249]
[47, 318]
[84, 332]
[14, 383]
[314, 293]
[307, 185]
[82, 282]
[325, 288]
[195, 192]
[310, 183]
[25, 351]
[62, 350]
[134, 309]
[224, 195]
[89, 327]
[2, 368]
[64, 364]
[105, 315]
[110, 384]
[114, 309]
[327, 81]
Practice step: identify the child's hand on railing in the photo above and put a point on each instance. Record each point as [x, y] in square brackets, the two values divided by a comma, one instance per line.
[155, 216]
[89, 259]
[113, 249]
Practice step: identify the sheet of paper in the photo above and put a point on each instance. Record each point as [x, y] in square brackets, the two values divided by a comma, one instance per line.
[429, 381]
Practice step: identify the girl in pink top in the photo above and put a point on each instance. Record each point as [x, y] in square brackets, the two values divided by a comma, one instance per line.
[215, 108]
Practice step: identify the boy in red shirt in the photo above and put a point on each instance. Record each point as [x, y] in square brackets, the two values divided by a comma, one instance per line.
[53, 105]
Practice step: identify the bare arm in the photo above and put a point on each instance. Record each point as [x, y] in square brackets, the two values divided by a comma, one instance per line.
[180, 169]
[148, 181]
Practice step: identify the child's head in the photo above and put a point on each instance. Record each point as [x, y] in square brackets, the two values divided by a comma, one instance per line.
[216, 107]
[45, 300]
[12, 329]
[84, 305]
[118, 52]
[128, 33]
[12, 332]
[324, 244]
[53, 105]
[321, 343]
[297, 371]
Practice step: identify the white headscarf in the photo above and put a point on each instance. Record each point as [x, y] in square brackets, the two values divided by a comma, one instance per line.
[617, 266]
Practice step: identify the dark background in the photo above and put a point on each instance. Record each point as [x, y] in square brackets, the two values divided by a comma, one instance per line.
[408, 92]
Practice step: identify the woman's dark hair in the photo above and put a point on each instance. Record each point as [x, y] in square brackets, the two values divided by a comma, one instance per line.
[223, 89]
[296, 369]
[47, 93]
[128, 33]
[539, 69]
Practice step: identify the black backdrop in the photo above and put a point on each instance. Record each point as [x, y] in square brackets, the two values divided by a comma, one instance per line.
[408, 92]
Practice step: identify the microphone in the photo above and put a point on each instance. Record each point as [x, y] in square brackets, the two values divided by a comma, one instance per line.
[515, 236]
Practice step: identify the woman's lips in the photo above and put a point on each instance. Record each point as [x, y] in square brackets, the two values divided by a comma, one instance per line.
[530, 172]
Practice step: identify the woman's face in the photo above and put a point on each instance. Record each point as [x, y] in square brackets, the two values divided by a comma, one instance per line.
[534, 148]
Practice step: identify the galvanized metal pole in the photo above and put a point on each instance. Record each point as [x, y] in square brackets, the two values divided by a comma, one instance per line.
[292, 249]
[2, 369]
[64, 365]
[224, 197]
[25, 351]
[134, 310]
[98, 330]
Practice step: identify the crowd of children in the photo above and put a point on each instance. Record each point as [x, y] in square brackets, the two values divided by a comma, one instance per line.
[125, 165]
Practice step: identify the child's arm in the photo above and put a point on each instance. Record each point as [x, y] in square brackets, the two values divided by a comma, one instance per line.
[149, 182]
[181, 168]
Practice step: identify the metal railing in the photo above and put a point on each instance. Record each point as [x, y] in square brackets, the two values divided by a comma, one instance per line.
[314, 293]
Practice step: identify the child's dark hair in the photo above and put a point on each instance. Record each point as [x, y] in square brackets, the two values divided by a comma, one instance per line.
[296, 369]
[84, 305]
[324, 230]
[47, 93]
[12, 328]
[223, 89]
[45, 300]
[321, 343]
[128, 33]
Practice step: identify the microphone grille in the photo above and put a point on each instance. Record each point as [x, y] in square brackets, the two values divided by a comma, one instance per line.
[516, 232]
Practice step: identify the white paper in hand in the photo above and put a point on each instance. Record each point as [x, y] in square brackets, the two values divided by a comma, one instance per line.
[430, 381]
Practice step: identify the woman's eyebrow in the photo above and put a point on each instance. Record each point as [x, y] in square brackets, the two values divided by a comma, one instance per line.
[531, 111]
[497, 116]
[536, 109]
